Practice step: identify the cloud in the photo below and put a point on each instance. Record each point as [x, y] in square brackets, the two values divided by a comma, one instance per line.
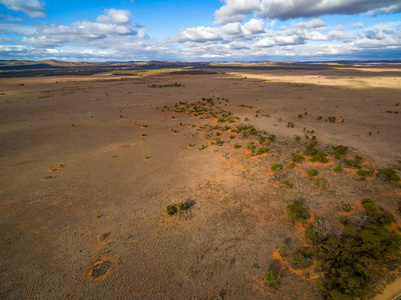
[338, 35]
[315, 23]
[198, 34]
[254, 26]
[309, 40]
[237, 10]
[30, 7]
[357, 25]
[115, 16]
[80, 33]
[112, 34]
[7, 18]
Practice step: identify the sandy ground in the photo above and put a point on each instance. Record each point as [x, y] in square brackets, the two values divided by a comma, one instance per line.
[82, 213]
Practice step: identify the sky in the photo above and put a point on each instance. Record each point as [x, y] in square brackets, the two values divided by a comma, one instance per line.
[203, 30]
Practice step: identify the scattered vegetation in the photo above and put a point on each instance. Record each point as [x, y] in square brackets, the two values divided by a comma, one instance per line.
[332, 119]
[356, 162]
[297, 211]
[312, 172]
[353, 260]
[176, 208]
[287, 184]
[301, 260]
[283, 250]
[296, 158]
[338, 169]
[175, 84]
[271, 279]
[389, 174]
[320, 157]
[276, 167]
[340, 150]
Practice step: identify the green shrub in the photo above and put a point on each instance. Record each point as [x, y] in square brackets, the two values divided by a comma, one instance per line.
[356, 162]
[171, 210]
[290, 124]
[181, 206]
[251, 146]
[283, 250]
[320, 157]
[218, 141]
[321, 182]
[271, 279]
[311, 150]
[299, 260]
[236, 146]
[276, 167]
[332, 119]
[312, 172]
[353, 260]
[300, 116]
[297, 158]
[271, 138]
[297, 211]
[287, 184]
[262, 150]
[319, 118]
[338, 169]
[389, 174]
[362, 172]
[340, 150]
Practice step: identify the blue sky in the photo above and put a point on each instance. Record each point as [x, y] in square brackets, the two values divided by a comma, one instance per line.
[207, 30]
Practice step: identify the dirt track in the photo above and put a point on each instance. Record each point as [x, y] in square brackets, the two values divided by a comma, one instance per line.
[82, 214]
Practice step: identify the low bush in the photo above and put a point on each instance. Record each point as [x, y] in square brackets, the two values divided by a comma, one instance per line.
[356, 162]
[287, 184]
[338, 169]
[173, 209]
[297, 158]
[301, 261]
[271, 279]
[312, 172]
[297, 211]
[276, 167]
[340, 150]
[283, 250]
[320, 157]
[262, 150]
[389, 174]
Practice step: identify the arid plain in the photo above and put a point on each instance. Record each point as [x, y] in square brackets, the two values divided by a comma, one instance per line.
[84, 185]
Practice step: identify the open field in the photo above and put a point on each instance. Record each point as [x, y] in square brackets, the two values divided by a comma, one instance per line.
[88, 165]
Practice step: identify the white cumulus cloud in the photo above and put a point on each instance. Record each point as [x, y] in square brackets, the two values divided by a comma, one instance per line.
[237, 10]
[30, 7]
